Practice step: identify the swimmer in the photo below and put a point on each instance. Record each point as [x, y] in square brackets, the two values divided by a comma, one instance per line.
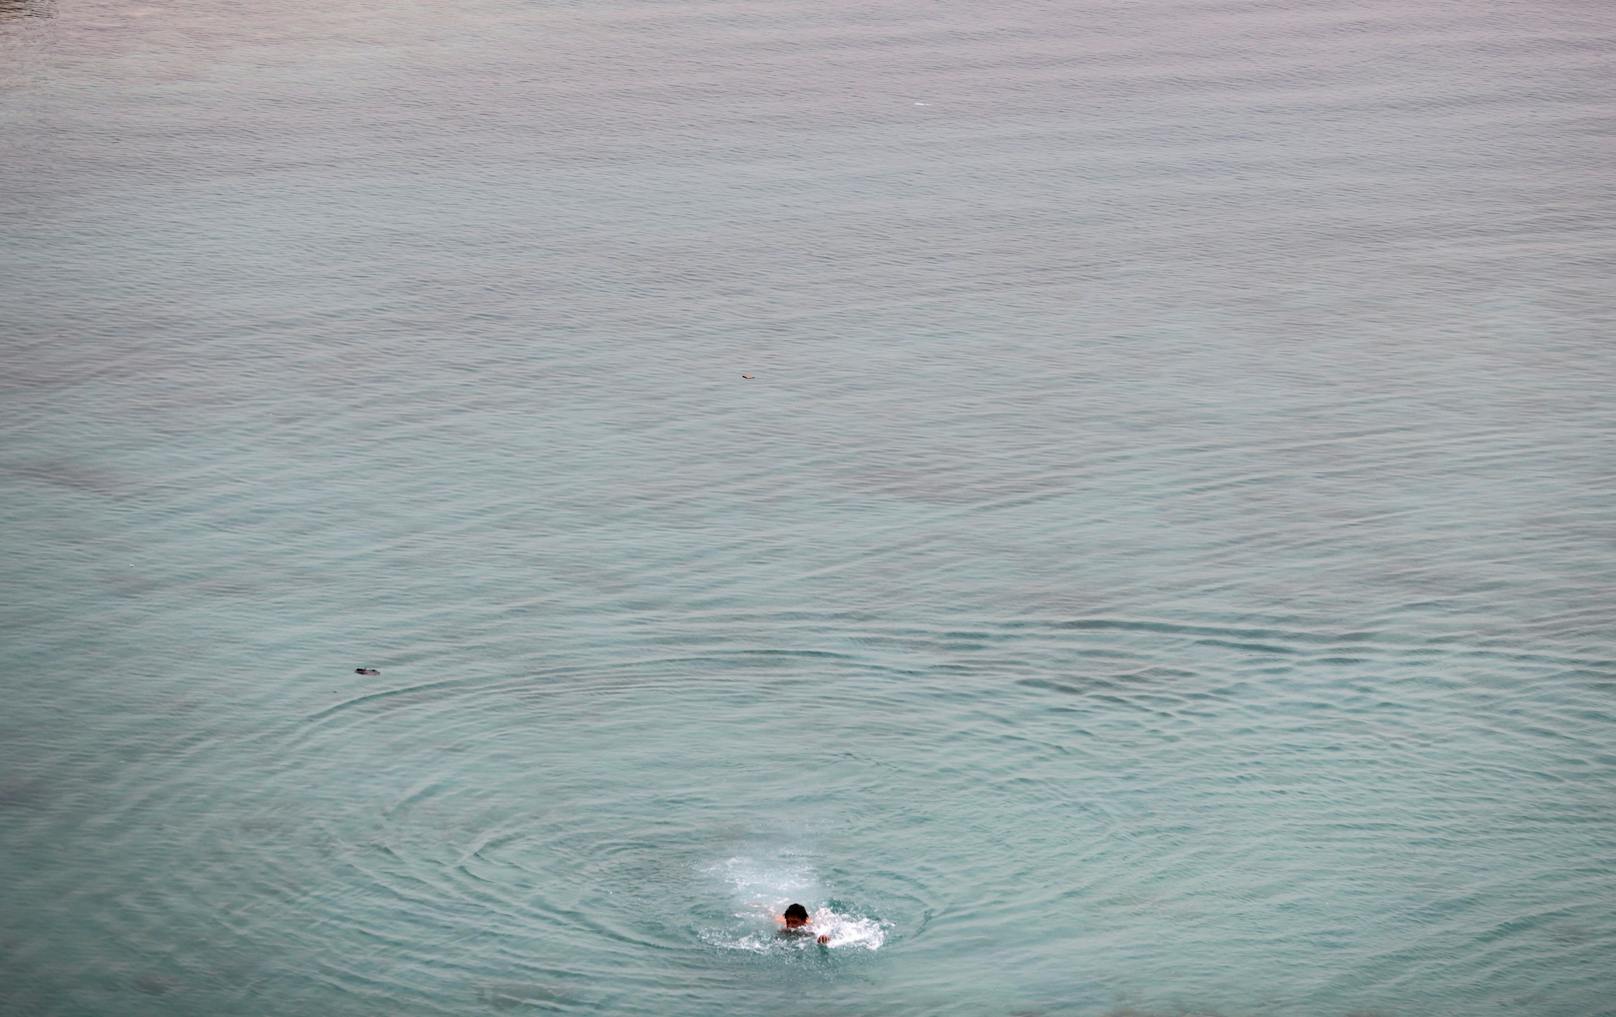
[796, 922]
[368, 672]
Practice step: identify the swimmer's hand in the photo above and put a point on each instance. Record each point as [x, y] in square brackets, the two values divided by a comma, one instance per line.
[824, 940]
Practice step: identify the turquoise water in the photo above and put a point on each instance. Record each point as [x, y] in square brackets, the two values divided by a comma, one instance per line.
[1163, 561]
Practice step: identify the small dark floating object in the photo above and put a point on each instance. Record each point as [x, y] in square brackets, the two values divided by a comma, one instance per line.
[368, 672]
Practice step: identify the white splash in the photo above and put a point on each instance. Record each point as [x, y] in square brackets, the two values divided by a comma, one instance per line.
[762, 887]
[767, 882]
[849, 930]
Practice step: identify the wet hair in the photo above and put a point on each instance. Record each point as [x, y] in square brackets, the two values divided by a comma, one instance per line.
[797, 911]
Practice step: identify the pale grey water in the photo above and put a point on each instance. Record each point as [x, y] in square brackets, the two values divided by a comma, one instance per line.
[1165, 559]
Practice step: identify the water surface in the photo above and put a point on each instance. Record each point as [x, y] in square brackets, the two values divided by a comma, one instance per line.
[1162, 561]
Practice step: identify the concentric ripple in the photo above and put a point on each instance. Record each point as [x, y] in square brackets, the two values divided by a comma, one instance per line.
[1137, 793]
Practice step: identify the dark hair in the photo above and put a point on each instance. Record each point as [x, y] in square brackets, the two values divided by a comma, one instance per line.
[796, 911]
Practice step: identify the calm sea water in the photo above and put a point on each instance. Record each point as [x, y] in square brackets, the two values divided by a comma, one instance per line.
[1163, 561]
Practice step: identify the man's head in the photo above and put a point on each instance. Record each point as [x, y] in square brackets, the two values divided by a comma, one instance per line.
[796, 915]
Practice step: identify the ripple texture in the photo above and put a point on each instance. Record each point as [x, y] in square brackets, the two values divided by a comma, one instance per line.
[1108, 505]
